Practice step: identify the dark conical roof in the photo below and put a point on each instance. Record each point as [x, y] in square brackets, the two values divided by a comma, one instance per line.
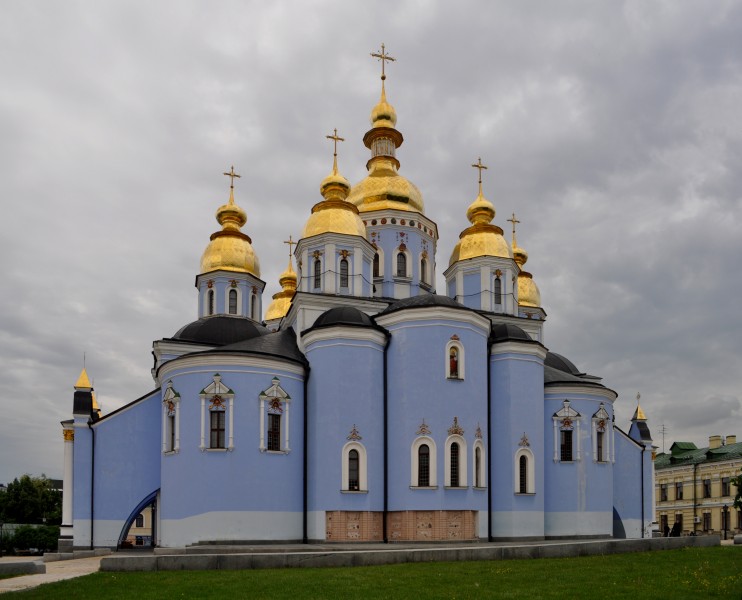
[557, 361]
[506, 331]
[343, 315]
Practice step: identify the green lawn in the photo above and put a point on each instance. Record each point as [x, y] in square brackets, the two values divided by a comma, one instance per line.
[688, 573]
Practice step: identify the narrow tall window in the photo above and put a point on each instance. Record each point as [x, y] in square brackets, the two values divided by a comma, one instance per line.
[678, 490]
[498, 290]
[210, 300]
[353, 471]
[423, 271]
[706, 521]
[725, 489]
[317, 274]
[477, 467]
[663, 492]
[566, 445]
[599, 442]
[401, 265]
[455, 464]
[254, 308]
[453, 363]
[423, 466]
[140, 520]
[274, 432]
[217, 429]
[171, 432]
[707, 488]
[344, 273]
[376, 265]
[232, 302]
[523, 473]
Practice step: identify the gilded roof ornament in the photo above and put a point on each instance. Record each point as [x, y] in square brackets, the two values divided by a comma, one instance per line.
[288, 280]
[528, 292]
[83, 381]
[638, 413]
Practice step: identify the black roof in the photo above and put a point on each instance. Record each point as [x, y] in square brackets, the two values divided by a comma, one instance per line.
[343, 315]
[556, 376]
[423, 301]
[505, 331]
[220, 330]
[557, 361]
[281, 344]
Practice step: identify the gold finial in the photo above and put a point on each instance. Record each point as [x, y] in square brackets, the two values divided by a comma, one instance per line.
[513, 220]
[638, 413]
[231, 176]
[291, 244]
[479, 166]
[334, 137]
[383, 57]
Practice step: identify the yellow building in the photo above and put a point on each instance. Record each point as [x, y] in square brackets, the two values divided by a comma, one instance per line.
[693, 490]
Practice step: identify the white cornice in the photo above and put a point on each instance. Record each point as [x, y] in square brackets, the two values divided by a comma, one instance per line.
[213, 360]
[519, 347]
[366, 334]
[561, 389]
[434, 313]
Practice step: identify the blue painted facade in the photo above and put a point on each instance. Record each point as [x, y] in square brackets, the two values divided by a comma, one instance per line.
[374, 409]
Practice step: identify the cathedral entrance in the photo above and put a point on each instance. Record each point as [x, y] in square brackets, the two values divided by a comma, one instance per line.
[140, 529]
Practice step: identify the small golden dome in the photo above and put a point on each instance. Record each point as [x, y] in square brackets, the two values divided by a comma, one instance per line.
[528, 292]
[383, 114]
[282, 300]
[334, 214]
[520, 256]
[230, 249]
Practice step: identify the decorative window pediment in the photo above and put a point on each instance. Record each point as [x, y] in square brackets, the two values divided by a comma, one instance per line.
[567, 413]
[171, 419]
[274, 418]
[566, 431]
[217, 399]
[602, 436]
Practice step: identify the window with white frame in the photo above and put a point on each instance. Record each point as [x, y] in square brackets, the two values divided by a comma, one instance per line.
[454, 358]
[210, 302]
[275, 404]
[480, 467]
[423, 269]
[317, 274]
[232, 301]
[344, 273]
[566, 434]
[171, 420]
[401, 264]
[524, 471]
[455, 461]
[255, 306]
[498, 290]
[377, 265]
[217, 416]
[354, 467]
[601, 435]
[424, 464]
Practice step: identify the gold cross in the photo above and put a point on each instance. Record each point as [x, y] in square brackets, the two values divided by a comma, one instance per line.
[231, 176]
[383, 57]
[291, 244]
[513, 221]
[479, 166]
[335, 139]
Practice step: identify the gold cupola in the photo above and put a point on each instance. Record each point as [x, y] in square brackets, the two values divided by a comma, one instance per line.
[383, 187]
[282, 300]
[528, 292]
[230, 249]
[482, 238]
[334, 214]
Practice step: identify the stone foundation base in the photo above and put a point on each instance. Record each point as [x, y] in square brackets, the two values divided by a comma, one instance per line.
[402, 526]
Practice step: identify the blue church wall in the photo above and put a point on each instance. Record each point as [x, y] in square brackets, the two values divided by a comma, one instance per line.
[517, 402]
[627, 486]
[345, 408]
[580, 492]
[420, 391]
[126, 470]
[472, 291]
[254, 482]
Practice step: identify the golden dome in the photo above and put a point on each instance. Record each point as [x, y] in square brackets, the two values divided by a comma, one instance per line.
[383, 114]
[482, 238]
[528, 292]
[282, 300]
[334, 214]
[230, 249]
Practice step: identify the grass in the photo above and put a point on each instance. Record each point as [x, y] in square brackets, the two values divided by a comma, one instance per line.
[687, 573]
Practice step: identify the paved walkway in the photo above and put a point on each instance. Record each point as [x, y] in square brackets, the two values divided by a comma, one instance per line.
[55, 571]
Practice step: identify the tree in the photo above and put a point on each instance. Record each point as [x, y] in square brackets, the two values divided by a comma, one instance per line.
[737, 481]
[31, 500]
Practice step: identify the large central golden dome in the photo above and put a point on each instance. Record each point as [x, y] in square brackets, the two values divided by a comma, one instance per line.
[230, 249]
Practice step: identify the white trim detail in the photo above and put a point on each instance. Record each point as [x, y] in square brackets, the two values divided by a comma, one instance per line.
[279, 402]
[217, 390]
[482, 475]
[237, 289]
[419, 441]
[362, 467]
[462, 461]
[530, 471]
[601, 423]
[567, 419]
[171, 408]
[461, 363]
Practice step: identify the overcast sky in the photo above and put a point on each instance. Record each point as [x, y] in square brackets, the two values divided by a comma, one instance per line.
[612, 130]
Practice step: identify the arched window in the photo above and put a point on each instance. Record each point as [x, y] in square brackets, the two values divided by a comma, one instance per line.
[376, 265]
[453, 362]
[217, 416]
[317, 273]
[423, 466]
[454, 359]
[210, 301]
[233, 302]
[353, 471]
[423, 270]
[354, 468]
[523, 474]
[217, 428]
[455, 462]
[401, 264]
[254, 311]
[498, 290]
[480, 477]
[344, 273]
[171, 423]
[454, 465]
[423, 457]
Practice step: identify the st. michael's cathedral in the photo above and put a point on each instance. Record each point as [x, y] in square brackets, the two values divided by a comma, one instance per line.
[361, 405]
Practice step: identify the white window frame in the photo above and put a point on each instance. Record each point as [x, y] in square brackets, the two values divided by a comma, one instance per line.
[419, 441]
[170, 395]
[275, 393]
[463, 469]
[239, 300]
[602, 415]
[362, 468]
[447, 366]
[207, 302]
[217, 388]
[424, 278]
[567, 412]
[380, 276]
[408, 264]
[479, 444]
[530, 472]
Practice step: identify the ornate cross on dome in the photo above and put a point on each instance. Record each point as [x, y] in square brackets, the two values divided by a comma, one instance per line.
[479, 166]
[513, 220]
[291, 244]
[383, 57]
[231, 176]
[334, 137]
